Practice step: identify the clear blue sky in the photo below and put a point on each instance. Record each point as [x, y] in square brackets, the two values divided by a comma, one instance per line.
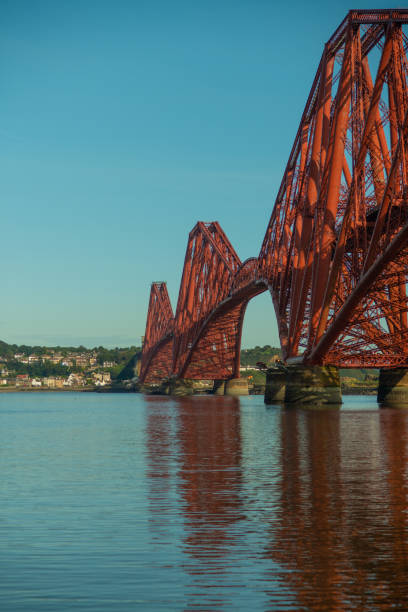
[122, 123]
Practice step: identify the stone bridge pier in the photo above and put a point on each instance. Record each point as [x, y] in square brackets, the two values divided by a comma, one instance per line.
[393, 387]
[303, 384]
[233, 387]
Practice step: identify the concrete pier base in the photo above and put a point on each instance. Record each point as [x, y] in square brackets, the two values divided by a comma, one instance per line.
[236, 386]
[313, 385]
[177, 387]
[393, 387]
[275, 386]
[219, 387]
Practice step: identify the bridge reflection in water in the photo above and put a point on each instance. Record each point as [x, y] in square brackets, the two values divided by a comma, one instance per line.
[305, 509]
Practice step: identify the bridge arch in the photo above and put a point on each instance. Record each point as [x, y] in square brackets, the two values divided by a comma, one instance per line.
[217, 348]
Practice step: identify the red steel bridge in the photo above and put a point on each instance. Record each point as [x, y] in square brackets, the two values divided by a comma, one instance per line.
[335, 252]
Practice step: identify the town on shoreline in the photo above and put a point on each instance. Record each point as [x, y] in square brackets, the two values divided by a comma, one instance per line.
[43, 368]
[30, 368]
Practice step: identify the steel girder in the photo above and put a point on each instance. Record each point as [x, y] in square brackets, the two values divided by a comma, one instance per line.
[334, 256]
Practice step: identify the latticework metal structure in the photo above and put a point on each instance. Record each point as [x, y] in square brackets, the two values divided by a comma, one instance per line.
[334, 256]
[158, 341]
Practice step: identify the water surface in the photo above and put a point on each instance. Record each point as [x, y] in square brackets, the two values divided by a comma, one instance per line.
[124, 502]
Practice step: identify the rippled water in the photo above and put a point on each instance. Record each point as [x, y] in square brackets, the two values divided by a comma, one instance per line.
[119, 502]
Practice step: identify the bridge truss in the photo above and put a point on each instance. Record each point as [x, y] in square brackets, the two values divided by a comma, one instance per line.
[335, 252]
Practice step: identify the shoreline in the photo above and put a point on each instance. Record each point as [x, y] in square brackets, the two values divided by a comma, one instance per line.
[105, 389]
[46, 389]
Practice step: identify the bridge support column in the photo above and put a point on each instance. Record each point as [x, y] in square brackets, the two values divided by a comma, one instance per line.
[177, 387]
[393, 387]
[275, 386]
[219, 387]
[317, 385]
[236, 386]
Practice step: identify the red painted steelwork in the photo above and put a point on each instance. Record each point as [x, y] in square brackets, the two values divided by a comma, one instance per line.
[334, 256]
[156, 363]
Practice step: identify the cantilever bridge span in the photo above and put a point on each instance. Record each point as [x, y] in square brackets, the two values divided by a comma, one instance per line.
[335, 252]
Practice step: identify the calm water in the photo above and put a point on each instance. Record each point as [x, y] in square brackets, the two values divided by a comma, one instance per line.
[122, 503]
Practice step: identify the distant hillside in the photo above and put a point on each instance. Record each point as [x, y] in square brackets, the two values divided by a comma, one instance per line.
[124, 360]
[361, 375]
[117, 358]
[7, 350]
[259, 353]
